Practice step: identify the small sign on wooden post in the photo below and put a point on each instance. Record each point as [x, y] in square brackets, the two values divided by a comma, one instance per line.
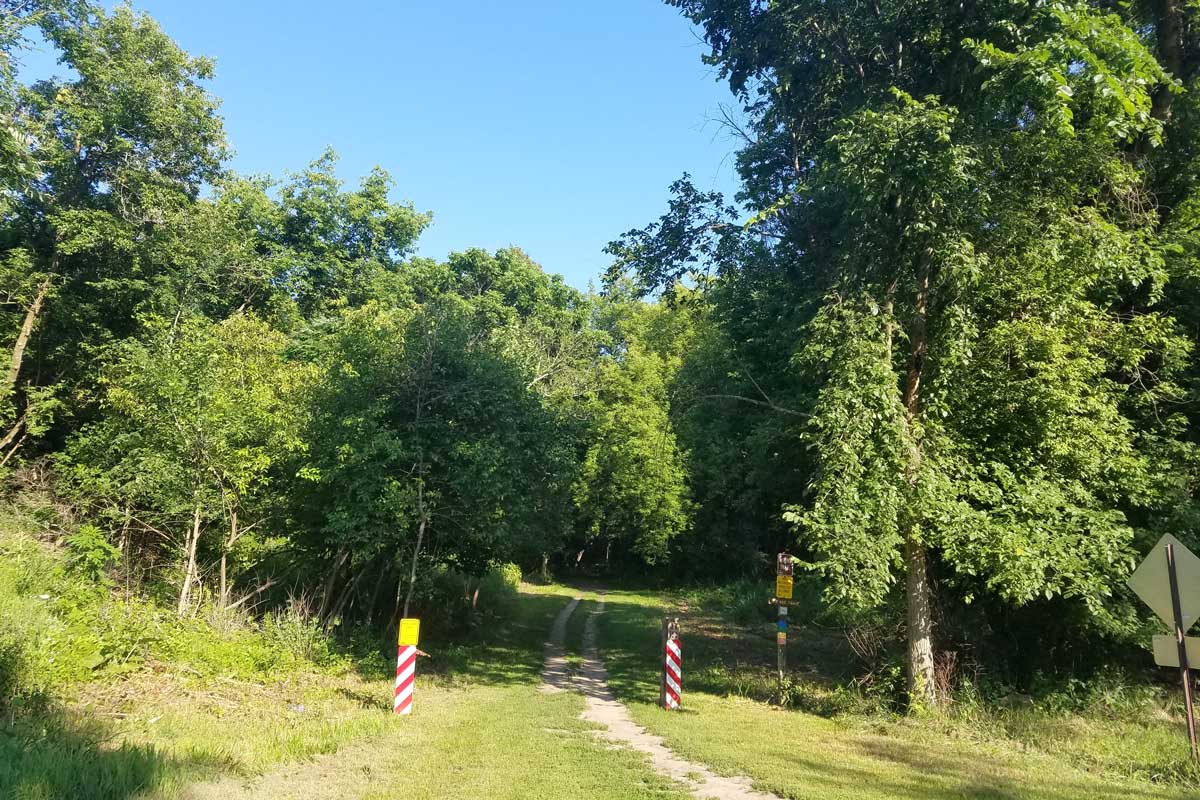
[406, 665]
[670, 690]
[783, 596]
[1169, 582]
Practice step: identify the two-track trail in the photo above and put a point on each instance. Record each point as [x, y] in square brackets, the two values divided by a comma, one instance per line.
[619, 728]
[504, 740]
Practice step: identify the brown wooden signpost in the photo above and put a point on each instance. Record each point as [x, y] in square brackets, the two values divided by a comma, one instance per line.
[782, 599]
[1169, 582]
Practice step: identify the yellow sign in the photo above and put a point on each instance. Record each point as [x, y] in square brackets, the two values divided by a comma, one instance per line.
[781, 638]
[783, 587]
[409, 630]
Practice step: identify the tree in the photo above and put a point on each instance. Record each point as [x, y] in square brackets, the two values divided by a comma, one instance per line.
[950, 193]
[631, 488]
[108, 158]
[426, 445]
[198, 415]
[333, 247]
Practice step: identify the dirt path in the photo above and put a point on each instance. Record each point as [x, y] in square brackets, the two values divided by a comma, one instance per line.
[555, 676]
[604, 709]
[368, 764]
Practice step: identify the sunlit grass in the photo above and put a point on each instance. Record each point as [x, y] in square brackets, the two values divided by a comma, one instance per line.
[852, 755]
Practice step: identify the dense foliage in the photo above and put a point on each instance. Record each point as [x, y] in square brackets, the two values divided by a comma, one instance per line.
[941, 345]
[962, 261]
[251, 389]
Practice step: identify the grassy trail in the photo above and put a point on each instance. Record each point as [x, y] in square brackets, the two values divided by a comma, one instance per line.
[484, 727]
[805, 756]
[489, 730]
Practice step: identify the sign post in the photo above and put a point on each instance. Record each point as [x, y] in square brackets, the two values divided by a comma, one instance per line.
[406, 665]
[670, 694]
[783, 597]
[1181, 643]
[1170, 584]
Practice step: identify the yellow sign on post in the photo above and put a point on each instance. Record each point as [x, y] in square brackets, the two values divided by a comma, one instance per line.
[410, 629]
[783, 587]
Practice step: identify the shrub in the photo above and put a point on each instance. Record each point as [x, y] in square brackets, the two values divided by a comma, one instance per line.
[90, 554]
[498, 589]
[293, 637]
[745, 602]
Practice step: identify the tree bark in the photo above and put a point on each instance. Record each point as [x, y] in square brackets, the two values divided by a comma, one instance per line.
[922, 683]
[31, 317]
[229, 543]
[348, 591]
[189, 574]
[331, 581]
[412, 578]
[375, 593]
[922, 676]
[1169, 29]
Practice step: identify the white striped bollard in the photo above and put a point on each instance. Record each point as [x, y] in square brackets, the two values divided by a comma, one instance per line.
[406, 674]
[406, 666]
[672, 678]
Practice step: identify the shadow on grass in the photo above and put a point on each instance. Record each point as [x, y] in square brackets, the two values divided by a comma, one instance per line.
[977, 779]
[719, 659]
[860, 764]
[925, 776]
[49, 755]
[506, 651]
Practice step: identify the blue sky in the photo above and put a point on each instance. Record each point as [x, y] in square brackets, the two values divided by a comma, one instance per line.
[552, 125]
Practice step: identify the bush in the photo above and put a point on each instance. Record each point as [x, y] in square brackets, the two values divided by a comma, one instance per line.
[90, 554]
[291, 636]
[498, 589]
[745, 602]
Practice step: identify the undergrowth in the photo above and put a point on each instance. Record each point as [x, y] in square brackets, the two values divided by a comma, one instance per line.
[105, 692]
[1113, 722]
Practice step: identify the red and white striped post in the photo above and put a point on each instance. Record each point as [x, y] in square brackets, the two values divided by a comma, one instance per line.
[406, 666]
[406, 673]
[672, 676]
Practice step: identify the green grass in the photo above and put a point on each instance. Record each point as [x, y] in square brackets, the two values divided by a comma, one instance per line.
[481, 728]
[846, 754]
[514, 742]
[241, 718]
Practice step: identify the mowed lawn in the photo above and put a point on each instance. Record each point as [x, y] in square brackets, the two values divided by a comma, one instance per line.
[852, 757]
[483, 728]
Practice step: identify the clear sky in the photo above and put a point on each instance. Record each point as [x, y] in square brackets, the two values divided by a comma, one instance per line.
[554, 125]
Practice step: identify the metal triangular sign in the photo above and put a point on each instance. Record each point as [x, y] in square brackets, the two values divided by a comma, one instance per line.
[1151, 582]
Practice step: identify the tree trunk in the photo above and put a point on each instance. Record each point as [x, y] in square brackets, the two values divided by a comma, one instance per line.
[375, 593]
[348, 591]
[922, 684]
[922, 677]
[1168, 25]
[31, 316]
[331, 581]
[189, 574]
[412, 578]
[229, 543]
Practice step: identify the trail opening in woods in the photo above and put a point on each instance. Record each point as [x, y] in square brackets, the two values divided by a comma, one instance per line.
[700, 399]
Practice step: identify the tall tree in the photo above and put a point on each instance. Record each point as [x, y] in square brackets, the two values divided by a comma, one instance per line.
[111, 156]
[950, 190]
[198, 415]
